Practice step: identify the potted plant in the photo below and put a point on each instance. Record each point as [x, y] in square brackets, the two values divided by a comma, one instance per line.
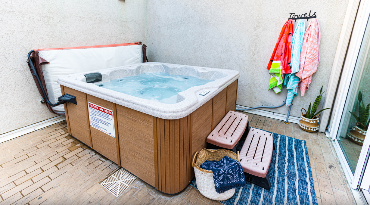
[310, 120]
[358, 132]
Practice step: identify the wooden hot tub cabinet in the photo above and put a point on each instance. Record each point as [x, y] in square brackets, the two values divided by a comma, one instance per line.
[156, 150]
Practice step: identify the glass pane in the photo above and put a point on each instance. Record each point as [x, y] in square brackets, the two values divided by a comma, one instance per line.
[353, 126]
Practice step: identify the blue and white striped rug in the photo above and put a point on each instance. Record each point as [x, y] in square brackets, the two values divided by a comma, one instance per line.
[290, 177]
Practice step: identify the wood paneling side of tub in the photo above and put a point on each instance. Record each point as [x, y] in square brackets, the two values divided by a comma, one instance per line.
[201, 122]
[103, 143]
[219, 107]
[77, 116]
[231, 96]
[173, 154]
[136, 141]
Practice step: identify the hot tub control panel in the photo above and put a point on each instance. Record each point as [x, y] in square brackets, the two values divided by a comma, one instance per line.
[204, 92]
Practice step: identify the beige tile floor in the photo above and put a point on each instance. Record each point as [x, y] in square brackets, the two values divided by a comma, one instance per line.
[50, 167]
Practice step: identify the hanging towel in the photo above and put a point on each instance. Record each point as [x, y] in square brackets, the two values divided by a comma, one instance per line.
[276, 80]
[227, 173]
[310, 55]
[291, 80]
[282, 50]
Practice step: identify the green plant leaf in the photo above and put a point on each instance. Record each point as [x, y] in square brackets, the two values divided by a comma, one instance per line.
[359, 97]
[320, 111]
[316, 104]
[308, 114]
[355, 116]
[365, 115]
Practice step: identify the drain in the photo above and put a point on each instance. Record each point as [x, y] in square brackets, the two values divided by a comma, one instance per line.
[118, 182]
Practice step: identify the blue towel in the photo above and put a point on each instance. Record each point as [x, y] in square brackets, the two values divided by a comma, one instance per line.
[291, 81]
[227, 173]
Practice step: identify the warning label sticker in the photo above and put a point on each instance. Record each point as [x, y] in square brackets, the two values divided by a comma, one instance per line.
[101, 118]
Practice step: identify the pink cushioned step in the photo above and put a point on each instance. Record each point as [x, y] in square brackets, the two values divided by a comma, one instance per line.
[229, 131]
[255, 155]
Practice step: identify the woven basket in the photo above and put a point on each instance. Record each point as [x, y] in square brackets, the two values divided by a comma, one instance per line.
[309, 125]
[204, 178]
[357, 135]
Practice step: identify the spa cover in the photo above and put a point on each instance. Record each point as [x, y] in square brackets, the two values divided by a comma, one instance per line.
[54, 63]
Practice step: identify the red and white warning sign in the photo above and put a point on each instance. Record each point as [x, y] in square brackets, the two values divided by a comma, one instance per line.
[101, 118]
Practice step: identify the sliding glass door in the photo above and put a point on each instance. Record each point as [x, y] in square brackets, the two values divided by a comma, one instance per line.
[350, 115]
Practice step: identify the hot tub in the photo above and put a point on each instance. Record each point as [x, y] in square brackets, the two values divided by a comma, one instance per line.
[152, 139]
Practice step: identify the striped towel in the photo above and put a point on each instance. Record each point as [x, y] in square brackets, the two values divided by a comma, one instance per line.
[310, 55]
[291, 80]
[276, 80]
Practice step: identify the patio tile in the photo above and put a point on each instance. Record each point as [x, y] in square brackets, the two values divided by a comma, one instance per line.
[321, 170]
[60, 171]
[317, 189]
[30, 196]
[52, 164]
[27, 177]
[6, 188]
[76, 151]
[66, 171]
[96, 197]
[126, 196]
[14, 161]
[59, 199]
[8, 180]
[341, 197]
[59, 154]
[55, 182]
[147, 199]
[36, 166]
[81, 190]
[325, 185]
[12, 199]
[16, 189]
[327, 199]
[67, 162]
[109, 198]
[35, 186]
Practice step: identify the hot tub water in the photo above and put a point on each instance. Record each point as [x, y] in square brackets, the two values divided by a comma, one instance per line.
[157, 86]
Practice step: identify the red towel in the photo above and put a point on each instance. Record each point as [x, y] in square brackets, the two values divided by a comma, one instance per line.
[282, 50]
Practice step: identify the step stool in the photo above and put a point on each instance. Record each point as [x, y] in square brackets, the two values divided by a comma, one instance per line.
[229, 131]
[255, 157]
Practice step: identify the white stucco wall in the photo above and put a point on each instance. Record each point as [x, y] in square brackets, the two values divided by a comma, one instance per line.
[27, 25]
[240, 35]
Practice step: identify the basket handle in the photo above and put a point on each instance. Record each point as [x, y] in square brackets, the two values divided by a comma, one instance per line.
[194, 157]
[304, 110]
[316, 116]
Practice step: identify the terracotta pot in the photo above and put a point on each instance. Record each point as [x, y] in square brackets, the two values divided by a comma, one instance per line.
[357, 135]
[309, 125]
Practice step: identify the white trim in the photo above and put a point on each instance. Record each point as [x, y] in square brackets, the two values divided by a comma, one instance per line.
[366, 194]
[30, 128]
[340, 54]
[361, 163]
[349, 66]
[269, 114]
[359, 196]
